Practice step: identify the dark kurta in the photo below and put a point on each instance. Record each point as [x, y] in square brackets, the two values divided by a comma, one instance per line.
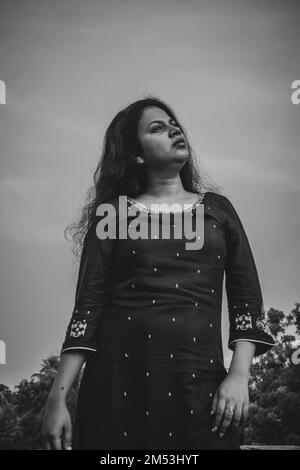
[149, 313]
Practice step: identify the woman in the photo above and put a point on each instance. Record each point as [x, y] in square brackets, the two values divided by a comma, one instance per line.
[147, 315]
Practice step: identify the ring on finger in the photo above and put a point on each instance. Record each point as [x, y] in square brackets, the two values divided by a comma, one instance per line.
[229, 409]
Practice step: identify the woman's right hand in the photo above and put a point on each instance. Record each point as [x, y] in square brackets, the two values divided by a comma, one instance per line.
[56, 426]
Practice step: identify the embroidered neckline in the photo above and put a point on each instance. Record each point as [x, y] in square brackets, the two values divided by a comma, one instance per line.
[142, 206]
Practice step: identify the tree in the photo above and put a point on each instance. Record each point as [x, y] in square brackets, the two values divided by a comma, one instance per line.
[274, 412]
[21, 411]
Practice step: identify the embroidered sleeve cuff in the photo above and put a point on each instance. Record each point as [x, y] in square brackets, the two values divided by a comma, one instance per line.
[81, 331]
[249, 324]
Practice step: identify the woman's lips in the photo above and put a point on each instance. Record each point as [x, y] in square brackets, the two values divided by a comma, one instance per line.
[180, 144]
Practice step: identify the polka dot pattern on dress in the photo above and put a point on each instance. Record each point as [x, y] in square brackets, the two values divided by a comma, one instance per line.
[169, 376]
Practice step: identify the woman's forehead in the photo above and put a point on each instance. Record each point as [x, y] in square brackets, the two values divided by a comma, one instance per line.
[151, 113]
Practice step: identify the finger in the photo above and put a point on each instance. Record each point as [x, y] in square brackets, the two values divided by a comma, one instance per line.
[214, 404]
[46, 444]
[227, 417]
[245, 412]
[55, 443]
[236, 420]
[67, 437]
[219, 412]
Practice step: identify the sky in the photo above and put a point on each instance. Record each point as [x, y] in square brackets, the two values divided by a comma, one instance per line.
[226, 67]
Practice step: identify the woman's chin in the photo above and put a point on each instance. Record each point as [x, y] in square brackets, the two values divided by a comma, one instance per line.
[181, 154]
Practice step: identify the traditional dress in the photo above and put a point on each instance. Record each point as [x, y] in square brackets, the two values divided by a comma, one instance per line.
[148, 313]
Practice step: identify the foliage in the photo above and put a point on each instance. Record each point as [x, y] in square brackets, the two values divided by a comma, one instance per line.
[274, 412]
[274, 385]
[21, 411]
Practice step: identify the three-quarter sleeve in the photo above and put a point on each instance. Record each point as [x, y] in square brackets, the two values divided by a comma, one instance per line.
[247, 316]
[91, 291]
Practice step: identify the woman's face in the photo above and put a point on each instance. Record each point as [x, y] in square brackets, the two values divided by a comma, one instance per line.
[157, 133]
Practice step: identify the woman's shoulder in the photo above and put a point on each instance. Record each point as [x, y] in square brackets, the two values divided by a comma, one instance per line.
[217, 198]
[222, 204]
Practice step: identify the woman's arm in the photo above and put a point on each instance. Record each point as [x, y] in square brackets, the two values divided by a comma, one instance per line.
[249, 334]
[242, 358]
[56, 426]
[69, 368]
[233, 394]
[81, 334]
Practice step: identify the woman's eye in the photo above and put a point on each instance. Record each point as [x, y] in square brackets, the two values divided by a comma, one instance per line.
[160, 127]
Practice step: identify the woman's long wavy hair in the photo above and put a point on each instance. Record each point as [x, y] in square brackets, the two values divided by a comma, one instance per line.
[117, 172]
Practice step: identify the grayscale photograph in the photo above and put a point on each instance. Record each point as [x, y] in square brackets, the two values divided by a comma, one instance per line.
[150, 219]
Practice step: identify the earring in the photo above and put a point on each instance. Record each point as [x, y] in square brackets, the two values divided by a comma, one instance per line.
[139, 160]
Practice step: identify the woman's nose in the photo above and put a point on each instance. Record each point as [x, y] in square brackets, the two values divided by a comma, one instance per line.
[174, 130]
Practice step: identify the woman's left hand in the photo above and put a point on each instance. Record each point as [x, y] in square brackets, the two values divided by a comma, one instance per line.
[230, 402]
